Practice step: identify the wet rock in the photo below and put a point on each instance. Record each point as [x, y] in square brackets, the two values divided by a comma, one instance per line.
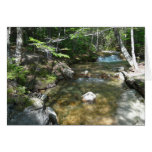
[32, 116]
[89, 97]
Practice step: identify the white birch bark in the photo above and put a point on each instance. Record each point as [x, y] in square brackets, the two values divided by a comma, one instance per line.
[58, 39]
[8, 41]
[19, 43]
[97, 43]
[133, 49]
[123, 48]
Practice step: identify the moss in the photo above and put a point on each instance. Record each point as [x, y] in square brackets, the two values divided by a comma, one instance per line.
[51, 78]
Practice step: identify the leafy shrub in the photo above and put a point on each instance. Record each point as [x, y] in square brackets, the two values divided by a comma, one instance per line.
[16, 72]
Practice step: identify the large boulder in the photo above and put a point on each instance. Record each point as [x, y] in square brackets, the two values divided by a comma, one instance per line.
[89, 97]
[33, 116]
[37, 114]
[62, 70]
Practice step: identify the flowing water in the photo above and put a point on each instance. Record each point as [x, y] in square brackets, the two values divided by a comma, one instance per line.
[66, 98]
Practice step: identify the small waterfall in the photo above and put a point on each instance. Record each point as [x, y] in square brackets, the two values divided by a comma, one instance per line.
[111, 58]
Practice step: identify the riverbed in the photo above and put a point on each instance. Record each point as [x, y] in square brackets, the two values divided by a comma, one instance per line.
[115, 103]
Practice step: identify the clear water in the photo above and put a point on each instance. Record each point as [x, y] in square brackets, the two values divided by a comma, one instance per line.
[66, 98]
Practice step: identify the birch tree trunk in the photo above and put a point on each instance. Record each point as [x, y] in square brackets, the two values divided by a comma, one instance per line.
[64, 30]
[19, 43]
[97, 43]
[133, 49]
[8, 41]
[123, 48]
[58, 39]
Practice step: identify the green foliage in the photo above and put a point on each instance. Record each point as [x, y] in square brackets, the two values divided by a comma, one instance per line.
[43, 45]
[16, 72]
[51, 78]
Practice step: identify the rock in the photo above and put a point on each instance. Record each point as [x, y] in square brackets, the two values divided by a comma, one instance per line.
[68, 73]
[130, 109]
[89, 97]
[37, 103]
[118, 69]
[86, 74]
[32, 116]
[137, 84]
[119, 76]
[62, 70]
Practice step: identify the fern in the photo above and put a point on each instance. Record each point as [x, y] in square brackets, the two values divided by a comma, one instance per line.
[43, 45]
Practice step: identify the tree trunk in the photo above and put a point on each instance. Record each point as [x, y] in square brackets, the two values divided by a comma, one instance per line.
[64, 30]
[123, 49]
[97, 44]
[19, 43]
[58, 39]
[8, 41]
[133, 49]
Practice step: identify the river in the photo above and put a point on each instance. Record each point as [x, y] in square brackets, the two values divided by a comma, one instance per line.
[115, 104]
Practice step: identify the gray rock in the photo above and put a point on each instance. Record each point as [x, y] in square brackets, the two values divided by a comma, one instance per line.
[37, 103]
[68, 73]
[89, 97]
[62, 70]
[32, 116]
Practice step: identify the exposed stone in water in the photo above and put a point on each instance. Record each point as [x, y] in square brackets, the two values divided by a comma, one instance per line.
[89, 97]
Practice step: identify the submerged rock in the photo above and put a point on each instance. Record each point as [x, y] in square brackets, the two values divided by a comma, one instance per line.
[89, 97]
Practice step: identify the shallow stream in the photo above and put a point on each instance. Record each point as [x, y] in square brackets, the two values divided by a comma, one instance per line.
[66, 98]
